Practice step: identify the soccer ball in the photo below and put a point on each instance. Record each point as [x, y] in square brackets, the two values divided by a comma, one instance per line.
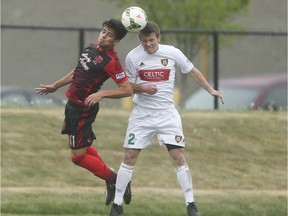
[134, 19]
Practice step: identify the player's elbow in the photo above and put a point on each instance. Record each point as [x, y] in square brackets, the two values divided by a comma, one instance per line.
[128, 91]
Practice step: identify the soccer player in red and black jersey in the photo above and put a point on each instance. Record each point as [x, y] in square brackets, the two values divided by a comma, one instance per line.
[97, 63]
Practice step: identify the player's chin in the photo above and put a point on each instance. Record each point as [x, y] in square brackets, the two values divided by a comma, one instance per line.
[105, 46]
[150, 50]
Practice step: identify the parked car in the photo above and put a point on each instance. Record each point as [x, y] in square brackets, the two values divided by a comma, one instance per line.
[18, 96]
[242, 93]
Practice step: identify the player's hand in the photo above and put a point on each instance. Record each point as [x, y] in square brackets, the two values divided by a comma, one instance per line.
[92, 99]
[45, 89]
[218, 94]
[149, 89]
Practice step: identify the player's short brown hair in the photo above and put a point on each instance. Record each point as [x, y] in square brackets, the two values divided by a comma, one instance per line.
[151, 27]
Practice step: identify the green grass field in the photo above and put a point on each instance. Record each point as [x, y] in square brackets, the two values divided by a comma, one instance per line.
[238, 162]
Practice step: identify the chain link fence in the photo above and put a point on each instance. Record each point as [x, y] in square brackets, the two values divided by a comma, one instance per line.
[33, 55]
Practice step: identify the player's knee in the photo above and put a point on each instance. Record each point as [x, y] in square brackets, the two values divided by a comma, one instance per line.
[77, 159]
[178, 157]
[131, 156]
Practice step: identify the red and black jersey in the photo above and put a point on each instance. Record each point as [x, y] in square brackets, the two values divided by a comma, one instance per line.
[93, 69]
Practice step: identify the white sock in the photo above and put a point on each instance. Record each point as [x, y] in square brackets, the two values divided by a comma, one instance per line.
[124, 176]
[185, 180]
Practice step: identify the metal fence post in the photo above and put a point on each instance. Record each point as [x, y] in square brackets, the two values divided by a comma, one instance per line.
[81, 40]
[216, 65]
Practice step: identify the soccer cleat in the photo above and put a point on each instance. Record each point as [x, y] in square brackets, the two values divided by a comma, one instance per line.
[110, 192]
[128, 194]
[116, 210]
[192, 210]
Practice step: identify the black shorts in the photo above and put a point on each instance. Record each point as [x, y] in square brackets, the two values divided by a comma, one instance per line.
[170, 147]
[78, 124]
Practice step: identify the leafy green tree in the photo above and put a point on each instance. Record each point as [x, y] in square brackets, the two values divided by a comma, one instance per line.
[204, 14]
[190, 14]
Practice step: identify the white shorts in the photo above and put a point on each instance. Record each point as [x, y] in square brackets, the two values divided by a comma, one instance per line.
[145, 123]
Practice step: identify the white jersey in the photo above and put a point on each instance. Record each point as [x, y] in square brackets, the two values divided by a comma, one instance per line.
[157, 68]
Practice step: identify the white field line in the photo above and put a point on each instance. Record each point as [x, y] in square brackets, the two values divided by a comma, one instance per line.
[175, 191]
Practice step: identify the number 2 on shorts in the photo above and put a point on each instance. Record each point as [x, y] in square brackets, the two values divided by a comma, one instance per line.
[131, 140]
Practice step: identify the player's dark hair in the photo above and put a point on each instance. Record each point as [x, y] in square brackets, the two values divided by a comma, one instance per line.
[151, 27]
[118, 27]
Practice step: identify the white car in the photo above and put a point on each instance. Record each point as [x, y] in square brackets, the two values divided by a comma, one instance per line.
[264, 92]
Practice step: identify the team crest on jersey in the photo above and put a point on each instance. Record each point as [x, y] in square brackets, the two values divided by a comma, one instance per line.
[164, 62]
[98, 59]
[178, 138]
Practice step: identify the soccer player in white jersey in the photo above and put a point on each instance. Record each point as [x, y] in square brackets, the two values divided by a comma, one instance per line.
[150, 68]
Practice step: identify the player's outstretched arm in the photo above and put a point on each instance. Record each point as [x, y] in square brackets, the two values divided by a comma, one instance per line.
[45, 89]
[124, 90]
[200, 79]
